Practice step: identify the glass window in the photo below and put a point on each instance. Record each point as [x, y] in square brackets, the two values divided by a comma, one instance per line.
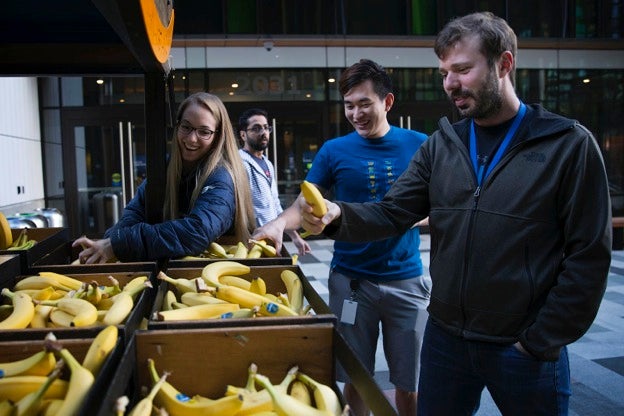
[375, 17]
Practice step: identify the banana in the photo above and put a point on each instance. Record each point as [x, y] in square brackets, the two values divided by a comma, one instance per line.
[168, 300]
[84, 312]
[123, 303]
[314, 198]
[213, 271]
[135, 283]
[192, 299]
[241, 251]
[37, 364]
[299, 390]
[178, 305]
[6, 235]
[41, 317]
[80, 379]
[196, 312]
[30, 404]
[6, 408]
[283, 299]
[144, 406]
[325, 397]
[235, 281]
[294, 258]
[177, 403]
[40, 282]
[23, 310]
[255, 252]
[181, 284]
[218, 251]
[24, 246]
[268, 308]
[294, 289]
[43, 294]
[267, 250]
[244, 298]
[256, 401]
[59, 318]
[16, 387]
[258, 285]
[100, 348]
[286, 405]
[241, 313]
[63, 279]
[94, 293]
[50, 407]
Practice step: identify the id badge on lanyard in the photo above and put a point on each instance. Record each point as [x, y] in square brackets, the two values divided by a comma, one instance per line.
[349, 306]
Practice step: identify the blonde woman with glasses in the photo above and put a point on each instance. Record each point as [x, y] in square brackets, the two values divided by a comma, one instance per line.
[207, 194]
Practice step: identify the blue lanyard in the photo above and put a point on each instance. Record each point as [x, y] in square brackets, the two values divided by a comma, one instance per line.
[501, 150]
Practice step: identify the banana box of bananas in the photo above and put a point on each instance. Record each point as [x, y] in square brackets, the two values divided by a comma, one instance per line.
[50, 376]
[252, 252]
[32, 244]
[229, 371]
[231, 293]
[74, 305]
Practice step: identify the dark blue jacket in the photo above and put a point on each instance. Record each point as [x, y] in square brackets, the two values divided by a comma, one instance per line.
[133, 239]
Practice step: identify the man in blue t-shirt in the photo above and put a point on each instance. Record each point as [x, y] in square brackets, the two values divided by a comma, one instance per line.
[374, 282]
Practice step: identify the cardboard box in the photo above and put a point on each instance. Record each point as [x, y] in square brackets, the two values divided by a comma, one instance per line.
[271, 275]
[142, 306]
[48, 239]
[205, 361]
[17, 350]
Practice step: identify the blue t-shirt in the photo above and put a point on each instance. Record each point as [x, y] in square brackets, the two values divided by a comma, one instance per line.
[362, 170]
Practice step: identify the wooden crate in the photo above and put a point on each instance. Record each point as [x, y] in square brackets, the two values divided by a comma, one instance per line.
[271, 275]
[48, 239]
[205, 361]
[142, 306]
[17, 350]
[10, 267]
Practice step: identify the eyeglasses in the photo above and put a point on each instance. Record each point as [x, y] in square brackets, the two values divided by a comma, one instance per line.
[201, 132]
[257, 129]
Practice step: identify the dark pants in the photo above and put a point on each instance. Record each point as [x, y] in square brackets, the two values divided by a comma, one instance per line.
[454, 372]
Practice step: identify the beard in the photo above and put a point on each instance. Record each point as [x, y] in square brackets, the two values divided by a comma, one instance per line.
[258, 145]
[487, 99]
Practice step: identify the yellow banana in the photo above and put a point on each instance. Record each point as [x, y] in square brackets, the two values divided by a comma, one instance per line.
[213, 271]
[256, 401]
[6, 235]
[192, 299]
[218, 251]
[144, 406]
[50, 407]
[37, 364]
[235, 281]
[294, 289]
[300, 391]
[241, 251]
[84, 312]
[94, 293]
[135, 283]
[255, 252]
[59, 318]
[80, 379]
[244, 298]
[16, 387]
[119, 310]
[168, 300]
[181, 284]
[294, 258]
[196, 312]
[241, 313]
[100, 348]
[314, 198]
[63, 279]
[286, 405]
[40, 282]
[258, 285]
[268, 308]
[267, 250]
[23, 310]
[41, 317]
[325, 397]
[178, 305]
[30, 404]
[283, 299]
[177, 403]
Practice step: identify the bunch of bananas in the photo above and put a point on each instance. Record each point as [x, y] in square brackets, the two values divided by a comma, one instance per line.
[259, 248]
[296, 395]
[222, 292]
[22, 242]
[35, 385]
[50, 300]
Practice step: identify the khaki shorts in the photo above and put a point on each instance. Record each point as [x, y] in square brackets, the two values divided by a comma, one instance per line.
[399, 309]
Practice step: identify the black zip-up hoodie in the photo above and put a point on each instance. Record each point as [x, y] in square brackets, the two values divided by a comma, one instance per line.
[524, 257]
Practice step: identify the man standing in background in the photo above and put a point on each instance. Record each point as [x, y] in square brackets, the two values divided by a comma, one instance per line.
[254, 130]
